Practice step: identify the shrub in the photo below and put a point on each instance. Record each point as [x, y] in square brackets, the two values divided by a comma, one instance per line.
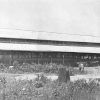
[80, 87]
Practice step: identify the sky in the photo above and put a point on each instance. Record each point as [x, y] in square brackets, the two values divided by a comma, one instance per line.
[61, 16]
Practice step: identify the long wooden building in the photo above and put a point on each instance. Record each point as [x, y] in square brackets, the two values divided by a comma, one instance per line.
[45, 47]
[50, 31]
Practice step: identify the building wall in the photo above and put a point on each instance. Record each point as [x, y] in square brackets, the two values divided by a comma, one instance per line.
[65, 58]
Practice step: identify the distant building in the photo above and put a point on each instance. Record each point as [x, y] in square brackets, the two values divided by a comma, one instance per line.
[46, 47]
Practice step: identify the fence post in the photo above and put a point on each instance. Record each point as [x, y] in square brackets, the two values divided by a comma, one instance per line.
[63, 59]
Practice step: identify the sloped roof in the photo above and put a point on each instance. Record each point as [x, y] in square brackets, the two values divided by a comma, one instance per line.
[40, 35]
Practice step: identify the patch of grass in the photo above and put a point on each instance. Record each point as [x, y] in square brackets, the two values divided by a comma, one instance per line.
[43, 89]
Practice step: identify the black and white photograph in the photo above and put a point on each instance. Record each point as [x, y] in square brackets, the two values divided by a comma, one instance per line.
[49, 49]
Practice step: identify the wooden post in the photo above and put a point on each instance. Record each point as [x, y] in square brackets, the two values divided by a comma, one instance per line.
[38, 58]
[63, 59]
[63, 75]
[50, 59]
[11, 60]
[41, 58]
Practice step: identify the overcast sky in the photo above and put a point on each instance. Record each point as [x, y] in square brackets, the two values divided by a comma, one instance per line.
[63, 16]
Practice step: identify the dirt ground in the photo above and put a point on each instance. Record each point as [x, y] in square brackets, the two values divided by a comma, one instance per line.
[92, 72]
